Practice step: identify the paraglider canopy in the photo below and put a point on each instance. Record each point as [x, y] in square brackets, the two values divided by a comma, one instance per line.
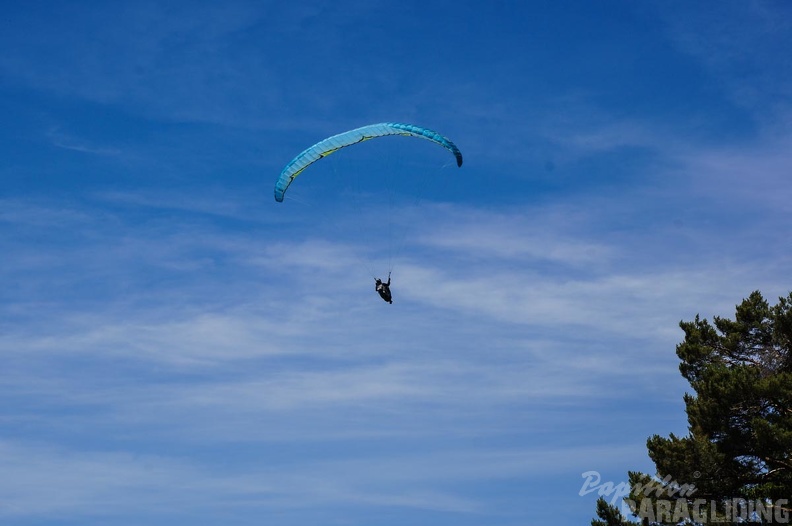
[336, 142]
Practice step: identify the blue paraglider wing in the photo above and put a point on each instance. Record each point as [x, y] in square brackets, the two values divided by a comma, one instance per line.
[336, 142]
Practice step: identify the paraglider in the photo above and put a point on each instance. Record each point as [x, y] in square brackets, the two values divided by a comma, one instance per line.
[383, 289]
[332, 144]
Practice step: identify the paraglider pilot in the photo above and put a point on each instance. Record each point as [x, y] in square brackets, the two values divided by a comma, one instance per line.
[384, 289]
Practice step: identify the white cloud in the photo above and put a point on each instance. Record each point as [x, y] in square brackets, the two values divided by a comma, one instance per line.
[48, 481]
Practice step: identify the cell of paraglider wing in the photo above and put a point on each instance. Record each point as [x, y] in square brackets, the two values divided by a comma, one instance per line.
[336, 142]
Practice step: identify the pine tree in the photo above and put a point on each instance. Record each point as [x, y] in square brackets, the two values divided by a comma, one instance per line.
[609, 515]
[740, 419]
[739, 443]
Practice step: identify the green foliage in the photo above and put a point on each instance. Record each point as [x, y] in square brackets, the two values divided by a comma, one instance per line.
[609, 515]
[739, 444]
[740, 419]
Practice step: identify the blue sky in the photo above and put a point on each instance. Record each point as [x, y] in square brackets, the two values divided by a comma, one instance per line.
[178, 348]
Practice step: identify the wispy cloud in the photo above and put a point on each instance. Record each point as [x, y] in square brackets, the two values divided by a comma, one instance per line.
[739, 45]
[67, 141]
[45, 481]
[753, 177]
